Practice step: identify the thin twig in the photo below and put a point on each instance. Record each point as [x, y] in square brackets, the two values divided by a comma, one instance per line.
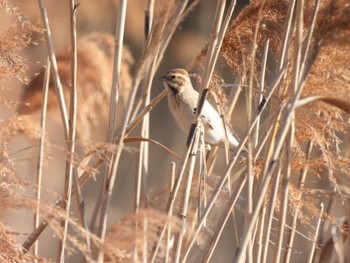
[172, 197]
[250, 185]
[314, 243]
[149, 18]
[308, 39]
[142, 166]
[284, 194]
[296, 213]
[27, 244]
[203, 175]
[143, 157]
[71, 137]
[262, 86]
[171, 185]
[271, 210]
[233, 100]
[222, 223]
[108, 181]
[261, 224]
[41, 149]
[54, 71]
[283, 54]
[186, 197]
[286, 35]
[212, 156]
[117, 58]
[74, 93]
[144, 111]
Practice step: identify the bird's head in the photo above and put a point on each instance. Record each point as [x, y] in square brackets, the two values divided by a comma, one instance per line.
[176, 80]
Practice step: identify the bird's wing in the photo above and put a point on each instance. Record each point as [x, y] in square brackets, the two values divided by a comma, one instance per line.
[210, 116]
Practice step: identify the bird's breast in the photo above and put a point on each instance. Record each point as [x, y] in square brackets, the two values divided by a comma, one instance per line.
[182, 112]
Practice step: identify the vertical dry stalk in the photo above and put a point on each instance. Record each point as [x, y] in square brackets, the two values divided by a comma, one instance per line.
[284, 194]
[142, 166]
[271, 210]
[214, 45]
[296, 213]
[186, 197]
[249, 203]
[142, 169]
[261, 85]
[119, 39]
[41, 149]
[313, 248]
[71, 134]
[203, 175]
[107, 191]
[172, 197]
[308, 39]
[169, 237]
[287, 31]
[143, 157]
[225, 216]
[73, 118]
[261, 229]
[54, 71]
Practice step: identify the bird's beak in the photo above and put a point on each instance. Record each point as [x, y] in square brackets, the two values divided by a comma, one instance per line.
[163, 78]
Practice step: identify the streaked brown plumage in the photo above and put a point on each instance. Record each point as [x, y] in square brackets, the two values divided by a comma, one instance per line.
[182, 100]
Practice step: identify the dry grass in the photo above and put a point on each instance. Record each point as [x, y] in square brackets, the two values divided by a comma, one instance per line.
[292, 183]
[94, 74]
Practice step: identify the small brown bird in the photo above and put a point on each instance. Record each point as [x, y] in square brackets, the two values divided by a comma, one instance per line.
[182, 100]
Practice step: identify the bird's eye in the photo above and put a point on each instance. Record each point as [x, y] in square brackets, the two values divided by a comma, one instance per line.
[173, 77]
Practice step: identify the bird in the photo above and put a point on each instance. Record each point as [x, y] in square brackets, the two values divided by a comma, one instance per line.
[182, 101]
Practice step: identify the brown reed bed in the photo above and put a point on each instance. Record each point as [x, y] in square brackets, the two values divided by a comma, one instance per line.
[285, 200]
